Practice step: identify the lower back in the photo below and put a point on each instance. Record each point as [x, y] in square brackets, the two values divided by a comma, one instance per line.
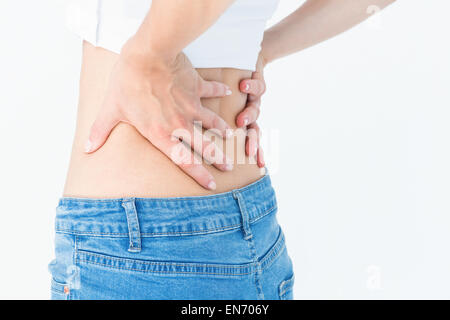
[130, 166]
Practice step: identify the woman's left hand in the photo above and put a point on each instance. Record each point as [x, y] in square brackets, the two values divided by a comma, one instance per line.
[255, 88]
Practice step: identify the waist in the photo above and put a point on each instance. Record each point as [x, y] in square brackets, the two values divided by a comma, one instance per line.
[167, 216]
[130, 166]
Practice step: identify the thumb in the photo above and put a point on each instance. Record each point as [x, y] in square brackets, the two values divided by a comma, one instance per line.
[103, 125]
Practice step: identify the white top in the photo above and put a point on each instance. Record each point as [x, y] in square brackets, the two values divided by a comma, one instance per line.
[234, 41]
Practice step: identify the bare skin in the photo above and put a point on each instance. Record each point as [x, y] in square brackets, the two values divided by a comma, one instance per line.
[128, 164]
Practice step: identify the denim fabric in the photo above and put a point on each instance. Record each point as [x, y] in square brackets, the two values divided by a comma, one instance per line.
[224, 246]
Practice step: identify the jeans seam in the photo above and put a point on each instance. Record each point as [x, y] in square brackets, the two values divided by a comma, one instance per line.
[181, 233]
[263, 263]
[257, 263]
[74, 262]
[277, 249]
[168, 272]
[248, 237]
[118, 259]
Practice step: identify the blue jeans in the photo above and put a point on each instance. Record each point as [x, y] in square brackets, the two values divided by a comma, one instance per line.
[224, 246]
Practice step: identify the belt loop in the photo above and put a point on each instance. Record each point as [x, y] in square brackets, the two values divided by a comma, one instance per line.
[244, 215]
[133, 225]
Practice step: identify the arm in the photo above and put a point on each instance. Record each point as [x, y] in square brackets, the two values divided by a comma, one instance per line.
[171, 25]
[154, 87]
[314, 22]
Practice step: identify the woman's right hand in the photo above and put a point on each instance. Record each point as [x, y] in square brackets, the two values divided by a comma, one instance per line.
[161, 99]
[254, 87]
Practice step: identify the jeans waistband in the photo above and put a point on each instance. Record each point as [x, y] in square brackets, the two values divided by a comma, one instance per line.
[152, 217]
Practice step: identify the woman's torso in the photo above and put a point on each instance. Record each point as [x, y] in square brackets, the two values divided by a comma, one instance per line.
[128, 164]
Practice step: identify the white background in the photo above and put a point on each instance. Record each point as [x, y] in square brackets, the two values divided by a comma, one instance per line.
[361, 168]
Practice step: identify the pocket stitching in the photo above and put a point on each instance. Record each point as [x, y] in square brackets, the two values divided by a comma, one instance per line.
[58, 287]
[286, 286]
[240, 269]
[100, 259]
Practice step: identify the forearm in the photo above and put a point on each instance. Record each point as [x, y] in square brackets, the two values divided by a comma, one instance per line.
[171, 25]
[314, 22]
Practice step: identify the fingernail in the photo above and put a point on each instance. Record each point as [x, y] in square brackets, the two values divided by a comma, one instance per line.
[88, 146]
[212, 185]
[228, 92]
[245, 121]
[247, 87]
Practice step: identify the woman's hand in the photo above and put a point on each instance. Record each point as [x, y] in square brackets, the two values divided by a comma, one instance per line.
[255, 88]
[161, 99]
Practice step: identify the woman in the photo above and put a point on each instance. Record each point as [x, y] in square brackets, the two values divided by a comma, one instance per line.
[143, 216]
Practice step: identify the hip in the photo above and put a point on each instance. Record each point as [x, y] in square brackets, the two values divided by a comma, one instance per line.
[224, 246]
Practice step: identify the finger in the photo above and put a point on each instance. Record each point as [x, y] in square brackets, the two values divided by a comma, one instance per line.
[252, 140]
[210, 120]
[259, 153]
[249, 115]
[255, 87]
[103, 125]
[213, 89]
[183, 156]
[203, 145]
[260, 159]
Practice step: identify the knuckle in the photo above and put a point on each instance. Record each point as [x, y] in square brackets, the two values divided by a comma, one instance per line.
[253, 111]
[186, 165]
[179, 121]
[193, 106]
[219, 88]
[206, 89]
[263, 87]
[214, 89]
[200, 87]
[157, 131]
[257, 112]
